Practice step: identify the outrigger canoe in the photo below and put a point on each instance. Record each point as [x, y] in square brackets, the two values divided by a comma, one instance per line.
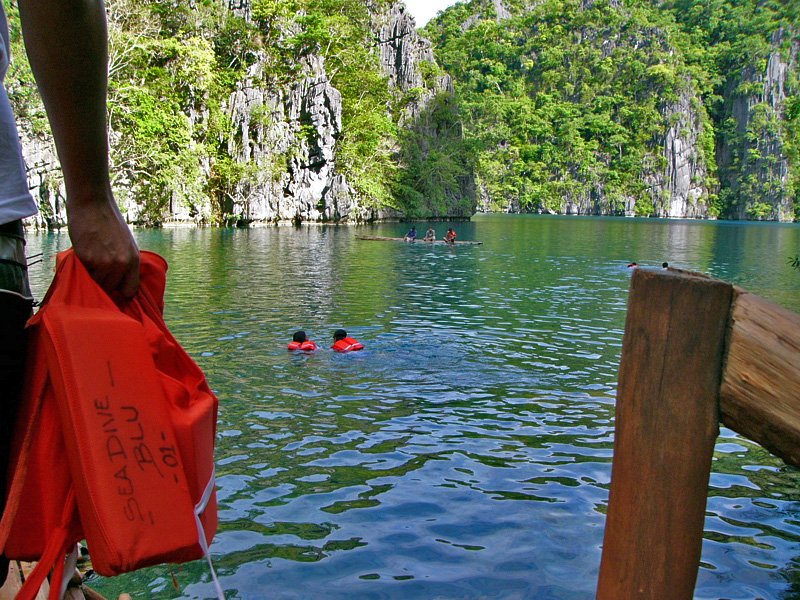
[376, 238]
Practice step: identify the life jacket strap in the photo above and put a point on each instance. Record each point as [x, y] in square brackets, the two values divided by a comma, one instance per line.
[201, 534]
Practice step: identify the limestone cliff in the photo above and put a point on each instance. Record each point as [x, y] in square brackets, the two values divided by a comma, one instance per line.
[673, 171]
[754, 166]
[680, 188]
[283, 141]
[428, 112]
[287, 139]
[44, 179]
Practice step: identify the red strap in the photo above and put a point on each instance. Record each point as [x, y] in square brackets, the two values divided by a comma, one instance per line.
[29, 415]
[53, 556]
[58, 544]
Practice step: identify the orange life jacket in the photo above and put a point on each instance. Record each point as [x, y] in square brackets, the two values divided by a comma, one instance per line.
[307, 346]
[114, 441]
[347, 344]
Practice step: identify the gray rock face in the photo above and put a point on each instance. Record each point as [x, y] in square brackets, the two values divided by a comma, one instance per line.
[401, 49]
[675, 173]
[288, 139]
[45, 181]
[500, 10]
[240, 7]
[679, 189]
[404, 54]
[753, 163]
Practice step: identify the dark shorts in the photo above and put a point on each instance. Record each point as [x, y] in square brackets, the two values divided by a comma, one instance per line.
[16, 304]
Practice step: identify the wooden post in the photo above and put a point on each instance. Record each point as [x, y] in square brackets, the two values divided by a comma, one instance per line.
[666, 426]
[760, 392]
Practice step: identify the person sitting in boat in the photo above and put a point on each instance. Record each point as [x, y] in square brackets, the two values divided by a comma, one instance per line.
[430, 235]
[301, 343]
[411, 235]
[450, 236]
[343, 343]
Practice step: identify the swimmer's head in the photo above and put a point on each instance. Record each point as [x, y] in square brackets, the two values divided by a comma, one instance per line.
[339, 334]
[299, 336]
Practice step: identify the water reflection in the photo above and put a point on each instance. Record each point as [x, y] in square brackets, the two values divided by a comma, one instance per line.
[466, 452]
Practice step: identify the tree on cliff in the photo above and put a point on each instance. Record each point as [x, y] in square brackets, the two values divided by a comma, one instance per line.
[568, 102]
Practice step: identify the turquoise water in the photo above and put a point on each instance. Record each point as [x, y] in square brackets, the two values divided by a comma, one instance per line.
[466, 452]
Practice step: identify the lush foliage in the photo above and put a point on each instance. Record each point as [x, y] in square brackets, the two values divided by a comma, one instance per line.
[560, 103]
[435, 174]
[338, 30]
[569, 101]
[732, 43]
[173, 67]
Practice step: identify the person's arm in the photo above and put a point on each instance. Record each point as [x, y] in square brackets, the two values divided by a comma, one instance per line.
[66, 42]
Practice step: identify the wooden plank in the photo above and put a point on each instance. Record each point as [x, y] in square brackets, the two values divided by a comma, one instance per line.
[760, 391]
[666, 426]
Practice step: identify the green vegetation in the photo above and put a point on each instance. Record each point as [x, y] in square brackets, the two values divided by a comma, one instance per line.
[569, 101]
[732, 43]
[567, 105]
[338, 30]
[435, 175]
[173, 67]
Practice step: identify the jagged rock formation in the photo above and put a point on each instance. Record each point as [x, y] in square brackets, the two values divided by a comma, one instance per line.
[500, 10]
[673, 165]
[678, 190]
[291, 141]
[284, 134]
[240, 7]
[45, 180]
[754, 167]
[400, 47]
[284, 139]
[408, 61]
[287, 138]
[675, 173]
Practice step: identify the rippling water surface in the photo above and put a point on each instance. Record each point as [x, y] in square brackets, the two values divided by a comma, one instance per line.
[466, 452]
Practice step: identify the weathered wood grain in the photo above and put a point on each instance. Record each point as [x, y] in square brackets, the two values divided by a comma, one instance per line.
[666, 426]
[760, 391]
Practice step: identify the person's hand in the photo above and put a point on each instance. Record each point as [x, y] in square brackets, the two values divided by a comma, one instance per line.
[104, 244]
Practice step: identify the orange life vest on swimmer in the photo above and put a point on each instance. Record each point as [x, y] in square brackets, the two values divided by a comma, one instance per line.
[347, 344]
[307, 346]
